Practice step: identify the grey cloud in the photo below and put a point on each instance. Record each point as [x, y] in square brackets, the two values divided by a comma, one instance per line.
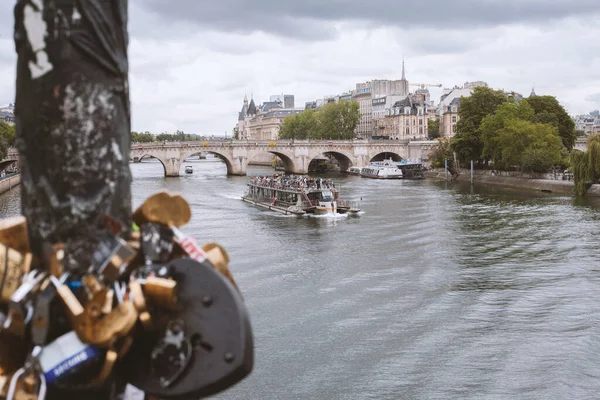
[312, 19]
[594, 98]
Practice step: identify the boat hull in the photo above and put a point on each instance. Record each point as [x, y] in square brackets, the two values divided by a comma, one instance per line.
[382, 176]
[267, 206]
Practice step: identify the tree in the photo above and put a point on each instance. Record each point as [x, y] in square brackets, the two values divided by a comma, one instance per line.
[333, 121]
[467, 143]
[531, 147]
[8, 132]
[441, 152]
[145, 137]
[586, 165]
[491, 126]
[544, 107]
[236, 133]
[433, 128]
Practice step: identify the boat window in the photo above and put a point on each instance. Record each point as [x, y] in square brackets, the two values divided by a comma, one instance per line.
[326, 196]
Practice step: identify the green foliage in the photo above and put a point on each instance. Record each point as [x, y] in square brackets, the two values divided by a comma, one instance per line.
[529, 146]
[236, 133]
[7, 138]
[492, 124]
[145, 137]
[468, 143]
[433, 128]
[440, 153]
[334, 121]
[586, 165]
[545, 107]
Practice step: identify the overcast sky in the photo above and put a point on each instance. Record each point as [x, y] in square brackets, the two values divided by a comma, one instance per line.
[192, 61]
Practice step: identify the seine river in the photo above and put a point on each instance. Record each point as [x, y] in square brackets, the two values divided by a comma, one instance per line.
[435, 292]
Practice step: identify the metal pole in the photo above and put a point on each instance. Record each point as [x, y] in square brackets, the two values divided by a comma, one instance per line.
[73, 121]
[472, 171]
[73, 130]
[446, 167]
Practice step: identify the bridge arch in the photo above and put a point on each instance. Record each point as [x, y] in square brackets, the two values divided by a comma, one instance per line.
[220, 156]
[343, 158]
[157, 158]
[386, 155]
[288, 163]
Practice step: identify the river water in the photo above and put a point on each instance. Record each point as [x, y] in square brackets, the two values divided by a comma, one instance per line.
[437, 291]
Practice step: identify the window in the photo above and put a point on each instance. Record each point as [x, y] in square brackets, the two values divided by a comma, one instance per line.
[421, 130]
[454, 118]
[421, 121]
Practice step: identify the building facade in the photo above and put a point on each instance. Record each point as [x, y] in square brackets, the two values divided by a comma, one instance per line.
[7, 114]
[588, 123]
[449, 118]
[405, 120]
[262, 122]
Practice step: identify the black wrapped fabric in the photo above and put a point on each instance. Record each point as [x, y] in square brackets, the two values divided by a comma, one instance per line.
[73, 121]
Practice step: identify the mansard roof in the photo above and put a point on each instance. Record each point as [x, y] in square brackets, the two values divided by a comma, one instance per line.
[252, 108]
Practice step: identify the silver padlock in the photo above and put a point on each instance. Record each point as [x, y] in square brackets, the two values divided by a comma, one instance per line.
[20, 307]
[32, 366]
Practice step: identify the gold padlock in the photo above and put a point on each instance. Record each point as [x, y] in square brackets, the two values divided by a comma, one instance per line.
[109, 364]
[14, 234]
[163, 208]
[218, 257]
[161, 291]
[13, 266]
[103, 332]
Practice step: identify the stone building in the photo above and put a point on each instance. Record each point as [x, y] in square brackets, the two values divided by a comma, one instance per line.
[367, 92]
[405, 120]
[449, 118]
[263, 122]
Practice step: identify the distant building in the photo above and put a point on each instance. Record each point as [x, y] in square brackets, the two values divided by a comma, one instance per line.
[286, 100]
[366, 92]
[7, 114]
[588, 123]
[262, 122]
[406, 119]
[449, 118]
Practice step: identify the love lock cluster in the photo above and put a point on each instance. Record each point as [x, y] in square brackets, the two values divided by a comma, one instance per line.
[155, 309]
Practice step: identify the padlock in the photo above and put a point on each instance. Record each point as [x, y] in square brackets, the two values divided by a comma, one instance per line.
[219, 258]
[66, 356]
[163, 208]
[43, 322]
[217, 324]
[20, 307]
[189, 245]
[53, 256]
[139, 301]
[103, 330]
[111, 258]
[172, 354]
[156, 243]
[13, 265]
[161, 291]
[28, 382]
[74, 307]
[14, 234]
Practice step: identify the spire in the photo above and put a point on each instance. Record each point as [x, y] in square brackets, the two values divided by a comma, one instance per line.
[245, 98]
[533, 91]
[403, 75]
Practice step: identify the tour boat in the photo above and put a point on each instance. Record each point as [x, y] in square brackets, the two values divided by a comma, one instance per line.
[353, 171]
[298, 196]
[411, 170]
[189, 169]
[386, 169]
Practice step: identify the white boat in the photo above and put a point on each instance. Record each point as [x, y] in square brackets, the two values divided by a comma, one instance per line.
[386, 169]
[189, 169]
[353, 170]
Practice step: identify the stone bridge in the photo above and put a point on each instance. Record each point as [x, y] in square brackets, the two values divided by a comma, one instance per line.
[12, 157]
[295, 154]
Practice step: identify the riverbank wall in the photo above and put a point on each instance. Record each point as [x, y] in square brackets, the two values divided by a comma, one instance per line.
[538, 182]
[9, 182]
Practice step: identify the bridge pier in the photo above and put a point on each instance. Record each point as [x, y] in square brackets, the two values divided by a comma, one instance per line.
[172, 167]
